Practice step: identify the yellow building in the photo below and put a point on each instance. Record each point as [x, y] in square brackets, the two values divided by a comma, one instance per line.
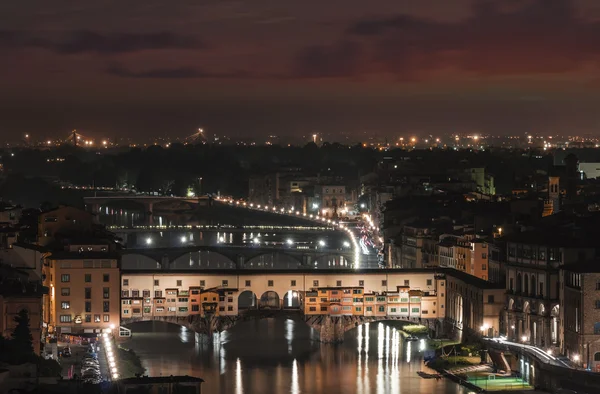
[84, 291]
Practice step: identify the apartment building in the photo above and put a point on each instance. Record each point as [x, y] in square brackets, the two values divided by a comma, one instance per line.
[84, 290]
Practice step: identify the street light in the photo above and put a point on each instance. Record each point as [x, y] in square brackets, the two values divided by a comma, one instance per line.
[148, 241]
[346, 244]
[321, 243]
[289, 242]
[183, 239]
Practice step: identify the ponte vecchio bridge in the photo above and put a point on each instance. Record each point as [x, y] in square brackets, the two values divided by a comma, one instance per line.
[331, 302]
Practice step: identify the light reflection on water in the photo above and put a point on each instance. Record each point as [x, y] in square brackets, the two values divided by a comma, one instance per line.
[279, 356]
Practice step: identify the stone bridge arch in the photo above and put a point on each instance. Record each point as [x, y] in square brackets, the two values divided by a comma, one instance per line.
[202, 259]
[331, 260]
[138, 261]
[293, 299]
[171, 205]
[332, 328]
[273, 260]
[247, 300]
[269, 300]
[206, 325]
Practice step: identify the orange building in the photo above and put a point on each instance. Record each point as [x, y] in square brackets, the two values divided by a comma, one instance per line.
[312, 306]
[209, 302]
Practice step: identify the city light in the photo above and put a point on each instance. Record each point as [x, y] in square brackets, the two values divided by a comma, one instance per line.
[289, 242]
[148, 241]
[183, 239]
[107, 340]
[332, 224]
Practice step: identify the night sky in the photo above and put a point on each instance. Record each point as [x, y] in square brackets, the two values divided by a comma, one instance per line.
[291, 67]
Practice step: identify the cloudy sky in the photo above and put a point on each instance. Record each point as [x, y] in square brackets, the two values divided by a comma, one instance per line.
[288, 67]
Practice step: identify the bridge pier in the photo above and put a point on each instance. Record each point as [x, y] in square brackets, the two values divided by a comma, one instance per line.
[240, 262]
[306, 260]
[332, 330]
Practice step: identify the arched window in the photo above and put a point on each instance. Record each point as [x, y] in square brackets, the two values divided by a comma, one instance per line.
[597, 356]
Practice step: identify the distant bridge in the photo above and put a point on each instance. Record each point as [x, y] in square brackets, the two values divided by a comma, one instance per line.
[149, 203]
[233, 257]
[224, 228]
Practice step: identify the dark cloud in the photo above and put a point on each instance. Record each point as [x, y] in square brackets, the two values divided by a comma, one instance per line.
[322, 61]
[378, 26]
[173, 73]
[84, 41]
[511, 37]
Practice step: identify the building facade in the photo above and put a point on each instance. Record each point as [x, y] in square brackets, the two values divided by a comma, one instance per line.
[533, 286]
[84, 291]
[330, 198]
[63, 220]
[580, 321]
[474, 305]
[406, 294]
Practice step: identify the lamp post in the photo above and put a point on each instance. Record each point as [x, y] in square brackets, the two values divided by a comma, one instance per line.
[576, 358]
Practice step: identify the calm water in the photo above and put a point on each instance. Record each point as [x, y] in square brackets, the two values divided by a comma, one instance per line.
[279, 356]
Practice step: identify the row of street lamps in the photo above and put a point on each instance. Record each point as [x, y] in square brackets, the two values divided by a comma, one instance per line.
[290, 212]
[110, 356]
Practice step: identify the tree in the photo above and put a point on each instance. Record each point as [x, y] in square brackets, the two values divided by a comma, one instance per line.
[22, 340]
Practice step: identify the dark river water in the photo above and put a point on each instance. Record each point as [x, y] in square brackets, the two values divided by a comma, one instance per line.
[280, 356]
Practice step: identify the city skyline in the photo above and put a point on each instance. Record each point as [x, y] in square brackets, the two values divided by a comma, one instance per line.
[254, 69]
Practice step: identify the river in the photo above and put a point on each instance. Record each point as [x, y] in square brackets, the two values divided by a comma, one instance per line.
[281, 356]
